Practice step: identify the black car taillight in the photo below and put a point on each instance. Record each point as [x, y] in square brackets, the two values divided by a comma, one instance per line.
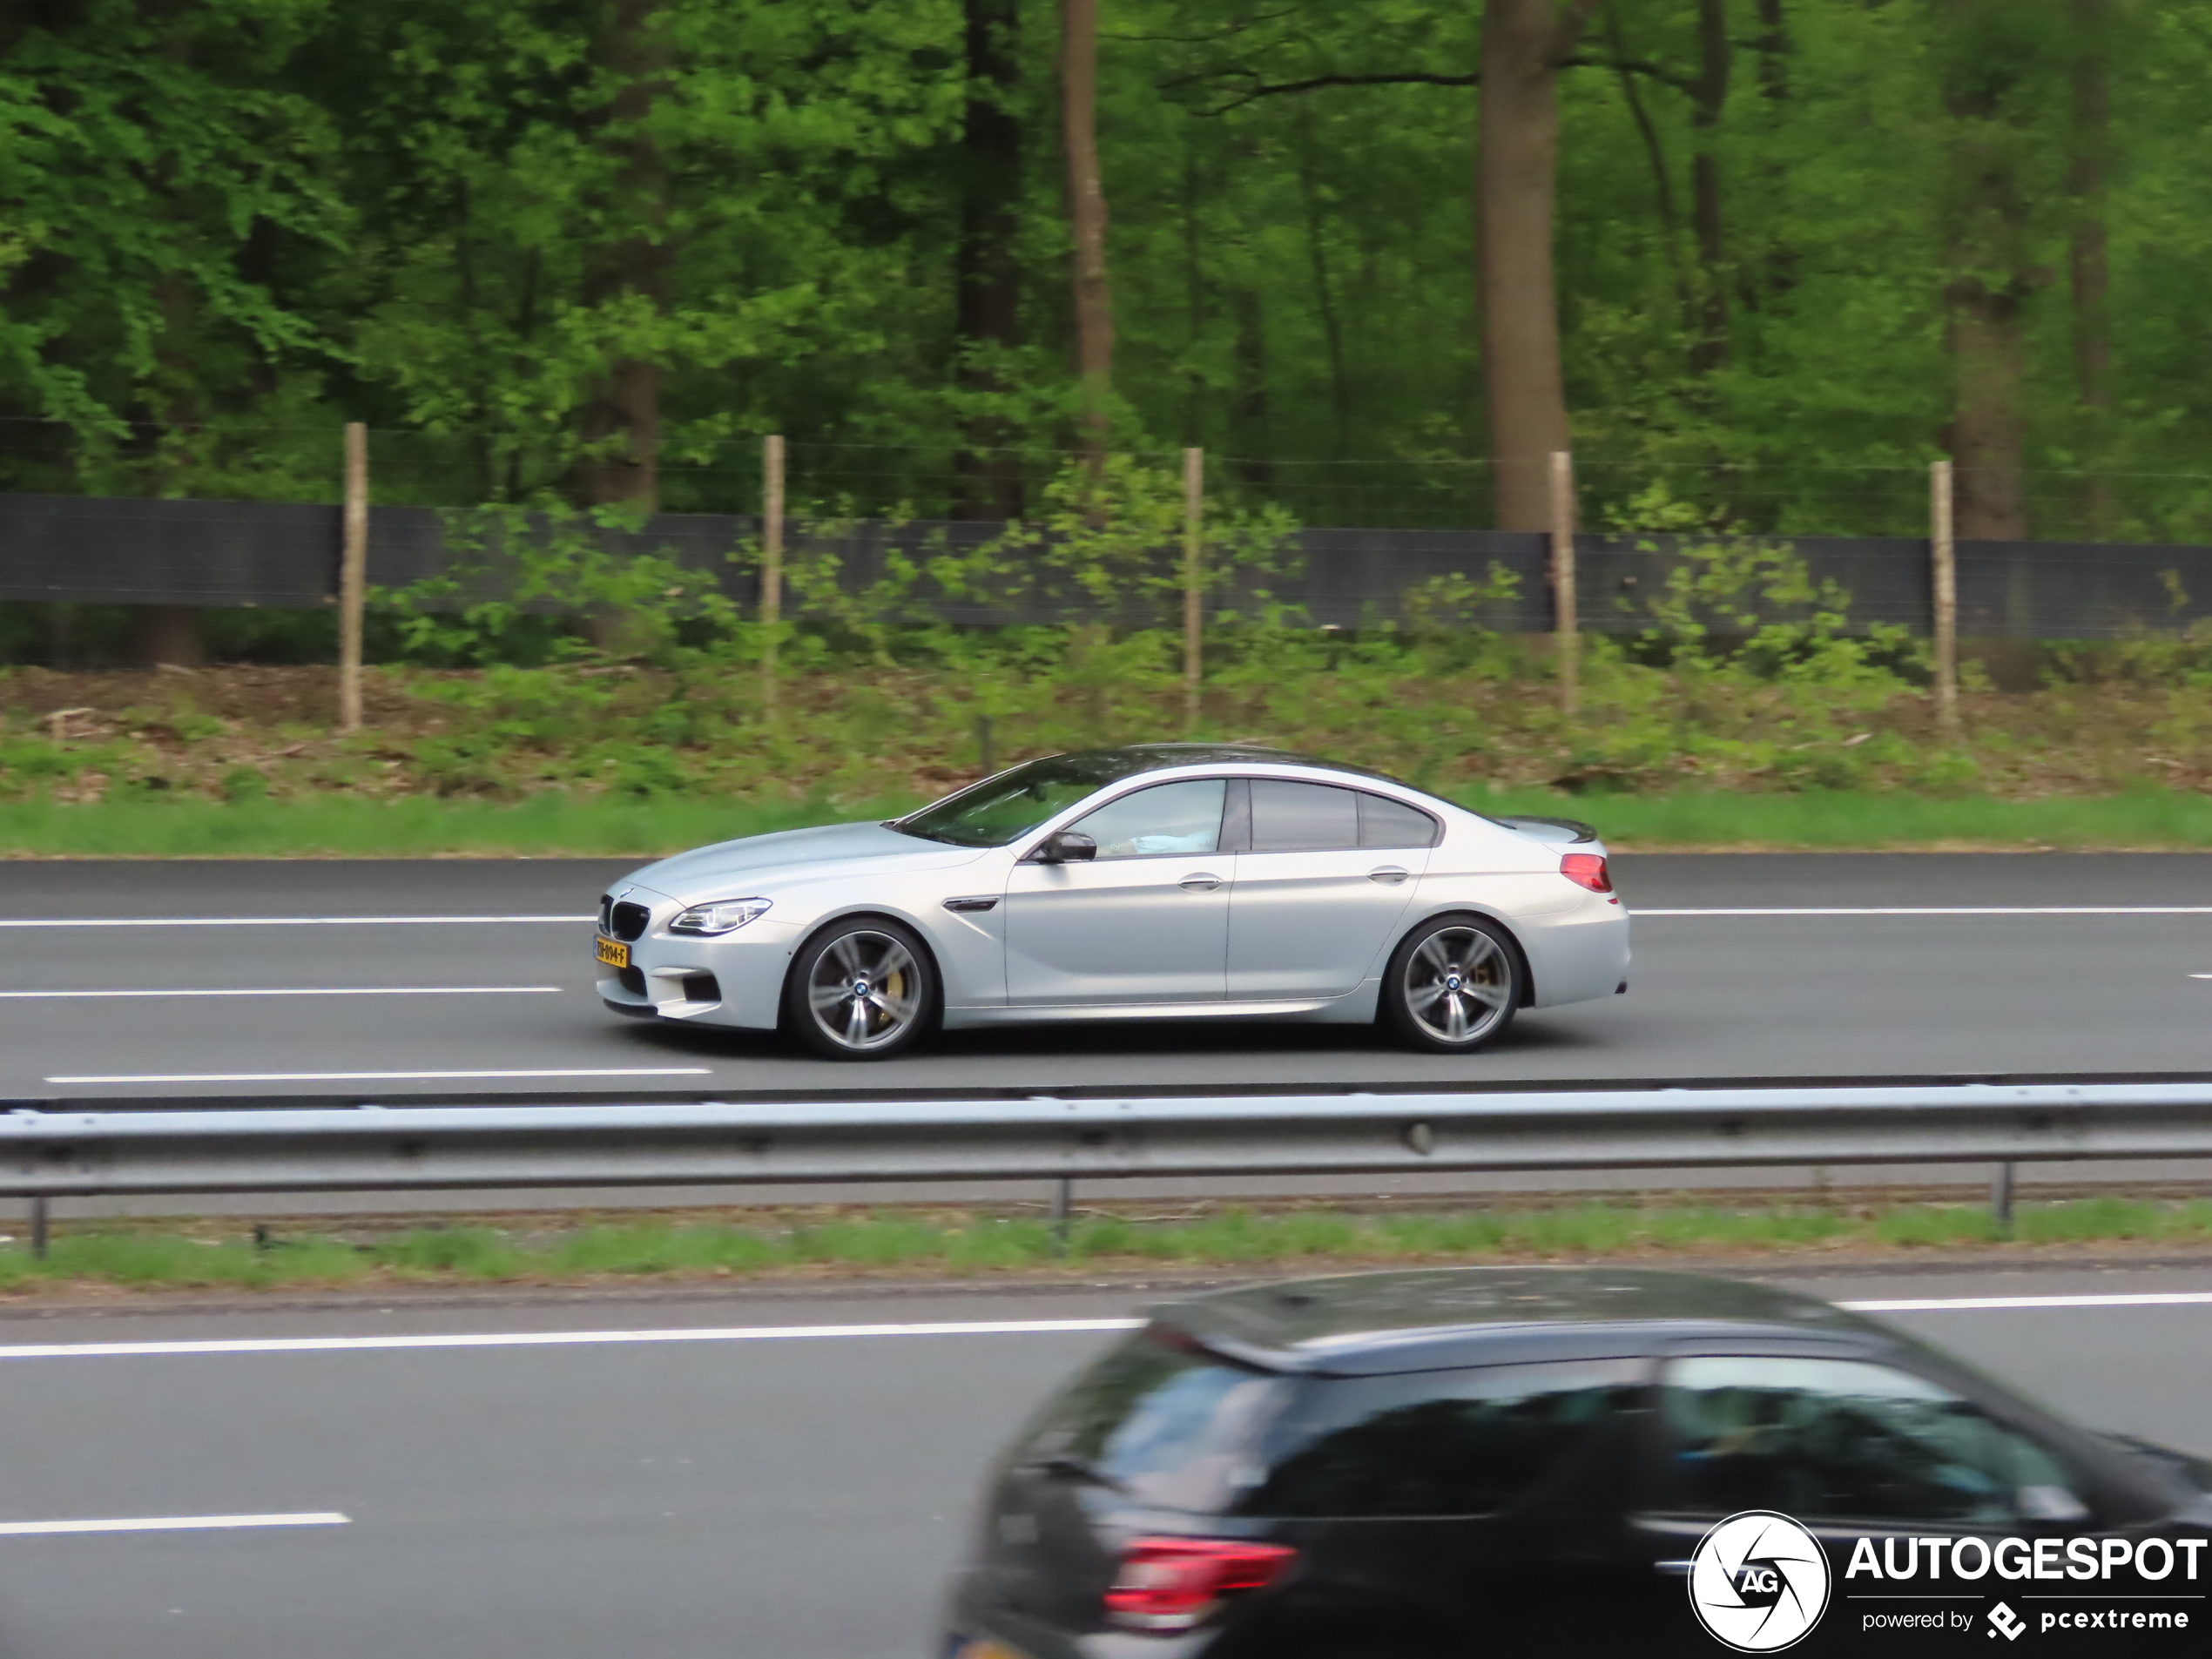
[1168, 1585]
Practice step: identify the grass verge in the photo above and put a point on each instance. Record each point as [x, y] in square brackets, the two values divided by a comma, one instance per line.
[958, 1243]
[553, 825]
[414, 827]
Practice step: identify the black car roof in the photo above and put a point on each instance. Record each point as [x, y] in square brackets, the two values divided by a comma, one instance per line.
[1380, 1322]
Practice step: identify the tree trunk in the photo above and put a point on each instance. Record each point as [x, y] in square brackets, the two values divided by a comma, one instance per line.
[1194, 305]
[987, 270]
[1990, 275]
[1710, 348]
[1325, 299]
[1251, 464]
[1778, 271]
[2091, 271]
[1989, 426]
[621, 420]
[165, 635]
[1772, 45]
[171, 635]
[1517, 168]
[1086, 217]
[1662, 186]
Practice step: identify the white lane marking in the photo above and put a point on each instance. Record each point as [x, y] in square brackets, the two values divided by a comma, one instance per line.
[1949, 910]
[281, 922]
[378, 1077]
[176, 1523]
[1968, 1303]
[566, 1338]
[314, 990]
[948, 1328]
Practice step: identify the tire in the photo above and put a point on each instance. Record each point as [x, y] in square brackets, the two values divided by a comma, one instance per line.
[864, 988]
[1453, 984]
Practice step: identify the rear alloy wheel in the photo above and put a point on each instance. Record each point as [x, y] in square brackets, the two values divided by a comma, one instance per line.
[861, 990]
[1452, 984]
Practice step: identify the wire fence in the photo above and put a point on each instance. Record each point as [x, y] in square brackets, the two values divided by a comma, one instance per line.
[695, 472]
[244, 517]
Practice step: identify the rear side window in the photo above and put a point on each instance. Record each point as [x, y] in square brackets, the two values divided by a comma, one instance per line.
[1171, 1426]
[1384, 822]
[1437, 1442]
[1302, 818]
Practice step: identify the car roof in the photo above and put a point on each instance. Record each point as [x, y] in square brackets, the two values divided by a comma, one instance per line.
[1133, 759]
[1373, 1322]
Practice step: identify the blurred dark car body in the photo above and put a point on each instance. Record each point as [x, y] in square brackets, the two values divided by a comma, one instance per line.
[1396, 1466]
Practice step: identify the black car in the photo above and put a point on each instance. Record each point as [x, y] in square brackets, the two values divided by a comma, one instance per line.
[1516, 1461]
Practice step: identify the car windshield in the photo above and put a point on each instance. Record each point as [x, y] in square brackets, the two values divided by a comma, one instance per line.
[997, 810]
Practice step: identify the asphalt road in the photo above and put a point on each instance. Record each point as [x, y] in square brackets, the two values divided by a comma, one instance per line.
[778, 1497]
[1864, 991]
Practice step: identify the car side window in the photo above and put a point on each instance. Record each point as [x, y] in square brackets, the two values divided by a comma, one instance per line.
[1384, 822]
[1165, 819]
[1435, 1443]
[1302, 818]
[1848, 1439]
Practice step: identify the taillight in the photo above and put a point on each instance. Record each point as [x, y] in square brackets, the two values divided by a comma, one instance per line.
[1168, 1584]
[1587, 870]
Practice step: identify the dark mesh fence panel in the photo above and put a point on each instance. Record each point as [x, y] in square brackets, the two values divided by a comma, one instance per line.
[284, 555]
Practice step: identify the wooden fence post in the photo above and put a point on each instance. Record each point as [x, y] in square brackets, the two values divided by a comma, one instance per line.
[772, 562]
[1943, 548]
[352, 577]
[1194, 508]
[1570, 643]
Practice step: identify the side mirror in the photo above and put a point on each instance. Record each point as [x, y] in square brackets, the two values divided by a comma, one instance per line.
[1067, 846]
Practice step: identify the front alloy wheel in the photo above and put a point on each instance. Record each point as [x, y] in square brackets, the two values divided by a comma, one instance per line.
[1452, 985]
[861, 991]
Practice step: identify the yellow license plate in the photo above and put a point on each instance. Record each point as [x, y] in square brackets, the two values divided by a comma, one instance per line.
[613, 954]
[987, 1649]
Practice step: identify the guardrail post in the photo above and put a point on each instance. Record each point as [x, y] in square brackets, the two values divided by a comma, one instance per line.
[2001, 1197]
[1063, 1195]
[40, 1228]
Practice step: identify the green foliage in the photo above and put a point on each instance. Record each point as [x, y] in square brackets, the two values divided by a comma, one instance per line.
[141, 149]
[1744, 666]
[516, 566]
[234, 223]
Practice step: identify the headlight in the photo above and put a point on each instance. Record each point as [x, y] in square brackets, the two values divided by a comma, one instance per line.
[725, 918]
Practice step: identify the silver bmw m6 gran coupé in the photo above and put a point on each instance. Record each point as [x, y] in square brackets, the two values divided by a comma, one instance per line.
[1172, 880]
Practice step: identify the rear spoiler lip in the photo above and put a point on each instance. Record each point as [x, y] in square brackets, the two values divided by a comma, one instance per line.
[1529, 822]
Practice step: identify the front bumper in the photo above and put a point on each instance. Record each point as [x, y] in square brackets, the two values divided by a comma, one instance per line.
[736, 980]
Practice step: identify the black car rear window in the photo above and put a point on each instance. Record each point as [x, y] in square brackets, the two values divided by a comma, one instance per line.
[1434, 1443]
[1164, 1422]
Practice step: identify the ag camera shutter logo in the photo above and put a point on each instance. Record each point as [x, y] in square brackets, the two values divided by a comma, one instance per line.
[1758, 1581]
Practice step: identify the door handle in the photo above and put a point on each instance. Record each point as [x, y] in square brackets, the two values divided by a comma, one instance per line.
[1390, 875]
[1200, 883]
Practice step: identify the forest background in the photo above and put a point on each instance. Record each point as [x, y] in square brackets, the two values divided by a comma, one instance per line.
[1755, 262]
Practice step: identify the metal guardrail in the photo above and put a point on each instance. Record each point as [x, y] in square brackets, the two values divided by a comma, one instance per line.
[50, 1154]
